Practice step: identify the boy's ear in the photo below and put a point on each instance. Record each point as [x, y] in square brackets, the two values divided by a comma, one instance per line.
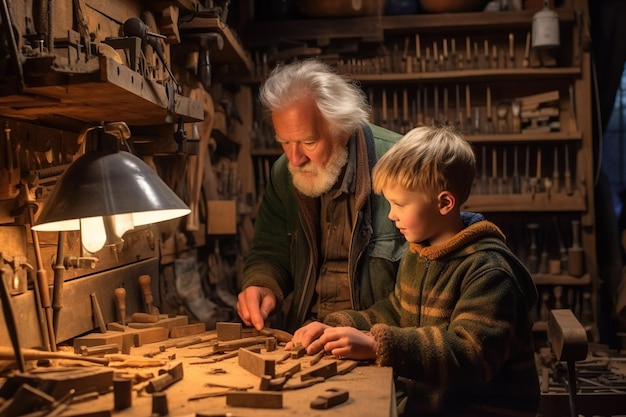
[446, 201]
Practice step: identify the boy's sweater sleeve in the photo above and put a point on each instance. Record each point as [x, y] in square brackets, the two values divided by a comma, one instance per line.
[383, 311]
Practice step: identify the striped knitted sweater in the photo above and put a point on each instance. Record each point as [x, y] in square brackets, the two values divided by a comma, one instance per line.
[457, 327]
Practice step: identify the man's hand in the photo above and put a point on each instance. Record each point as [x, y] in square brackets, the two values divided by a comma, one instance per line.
[345, 342]
[254, 305]
[307, 334]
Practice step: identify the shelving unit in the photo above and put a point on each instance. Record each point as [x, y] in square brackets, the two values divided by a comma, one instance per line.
[386, 55]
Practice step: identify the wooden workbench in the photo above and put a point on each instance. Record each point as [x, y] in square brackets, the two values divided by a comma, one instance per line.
[370, 388]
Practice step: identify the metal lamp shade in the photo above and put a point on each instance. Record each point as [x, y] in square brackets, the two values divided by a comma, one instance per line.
[103, 184]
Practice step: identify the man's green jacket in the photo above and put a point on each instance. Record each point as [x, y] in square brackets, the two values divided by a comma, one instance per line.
[284, 255]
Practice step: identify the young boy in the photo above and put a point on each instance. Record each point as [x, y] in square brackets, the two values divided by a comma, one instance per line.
[457, 329]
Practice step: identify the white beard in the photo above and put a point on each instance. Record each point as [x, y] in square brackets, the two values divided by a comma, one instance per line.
[312, 180]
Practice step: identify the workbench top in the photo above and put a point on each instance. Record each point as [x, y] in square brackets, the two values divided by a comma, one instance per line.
[370, 388]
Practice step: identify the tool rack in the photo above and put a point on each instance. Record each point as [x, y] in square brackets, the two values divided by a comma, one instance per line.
[526, 112]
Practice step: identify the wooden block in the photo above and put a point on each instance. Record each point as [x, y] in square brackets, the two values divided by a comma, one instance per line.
[187, 330]
[154, 334]
[256, 363]
[57, 384]
[323, 369]
[162, 321]
[228, 331]
[121, 339]
[266, 399]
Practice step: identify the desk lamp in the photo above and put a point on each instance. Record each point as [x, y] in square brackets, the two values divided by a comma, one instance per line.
[107, 191]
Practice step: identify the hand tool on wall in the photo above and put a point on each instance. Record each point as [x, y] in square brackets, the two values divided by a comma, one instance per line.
[526, 62]
[502, 110]
[9, 319]
[405, 111]
[468, 110]
[444, 61]
[562, 251]
[120, 302]
[511, 63]
[476, 127]
[486, 54]
[535, 182]
[476, 65]
[515, 181]
[567, 175]
[503, 183]
[575, 253]
[516, 110]
[493, 182]
[418, 54]
[97, 313]
[145, 282]
[57, 289]
[533, 259]
[484, 183]
[489, 120]
[526, 179]
[556, 181]
[573, 122]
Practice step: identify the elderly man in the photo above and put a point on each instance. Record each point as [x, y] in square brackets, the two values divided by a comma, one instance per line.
[321, 236]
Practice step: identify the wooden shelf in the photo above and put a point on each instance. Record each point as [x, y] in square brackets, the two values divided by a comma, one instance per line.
[474, 75]
[550, 279]
[232, 53]
[556, 202]
[525, 137]
[113, 92]
[374, 28]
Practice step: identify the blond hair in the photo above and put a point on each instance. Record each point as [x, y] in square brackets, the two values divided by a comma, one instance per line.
[428, 159]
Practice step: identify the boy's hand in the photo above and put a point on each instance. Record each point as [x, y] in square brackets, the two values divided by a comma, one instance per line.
[305, 335]
[254, 305]
[345, 342]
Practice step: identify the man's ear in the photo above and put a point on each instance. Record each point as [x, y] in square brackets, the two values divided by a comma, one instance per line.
[446, 202]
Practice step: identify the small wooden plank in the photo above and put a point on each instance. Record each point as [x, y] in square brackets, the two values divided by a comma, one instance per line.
[323, 369]
[121, 339]
[266, 399]
[228, 331]
[155, 334]
[187, 330]
[240, 343]
[256, 363]
[291, 368]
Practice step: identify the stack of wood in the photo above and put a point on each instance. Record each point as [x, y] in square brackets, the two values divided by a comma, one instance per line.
[540, 113]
